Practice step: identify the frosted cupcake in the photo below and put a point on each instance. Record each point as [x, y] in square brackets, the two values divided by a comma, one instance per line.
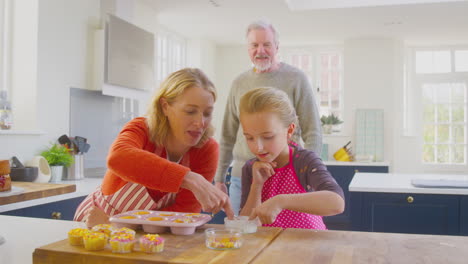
[123, 231]
[94, 241]
[103, 228]
[151, 243]
[122, 243]
[75, 236]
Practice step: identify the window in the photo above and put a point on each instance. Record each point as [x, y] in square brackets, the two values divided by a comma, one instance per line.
[442, 79]
[325, 72]
[170, 55]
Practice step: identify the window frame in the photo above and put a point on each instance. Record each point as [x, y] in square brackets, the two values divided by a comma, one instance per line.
[286, 55]
[413, 102]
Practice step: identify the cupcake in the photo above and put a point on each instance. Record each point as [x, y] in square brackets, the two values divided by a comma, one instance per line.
[123, 231]
[122, 243]
[75, 236]
[151, 243]
[103, 228]
[94, 240]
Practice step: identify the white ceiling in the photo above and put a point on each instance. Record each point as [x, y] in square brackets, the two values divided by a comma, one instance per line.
[225, 21]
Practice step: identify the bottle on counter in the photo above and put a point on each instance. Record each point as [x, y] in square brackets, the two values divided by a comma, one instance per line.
[6, 115]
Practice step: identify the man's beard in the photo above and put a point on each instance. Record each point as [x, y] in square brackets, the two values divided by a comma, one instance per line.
[263, 66]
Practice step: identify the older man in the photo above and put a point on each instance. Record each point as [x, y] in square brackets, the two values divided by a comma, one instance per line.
[262, 40]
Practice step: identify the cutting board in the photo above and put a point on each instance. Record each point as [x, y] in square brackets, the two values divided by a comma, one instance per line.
[346, 247]
[33, 190]
[177, 249]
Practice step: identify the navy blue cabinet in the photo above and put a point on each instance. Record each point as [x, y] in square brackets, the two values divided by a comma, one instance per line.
[64, 210]
[464, 215]
[410, 213]
[343, 175]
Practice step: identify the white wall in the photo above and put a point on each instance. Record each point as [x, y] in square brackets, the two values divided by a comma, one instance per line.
[63, 59]
[230, 62]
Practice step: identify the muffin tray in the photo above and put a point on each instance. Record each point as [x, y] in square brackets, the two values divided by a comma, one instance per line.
[160, 221]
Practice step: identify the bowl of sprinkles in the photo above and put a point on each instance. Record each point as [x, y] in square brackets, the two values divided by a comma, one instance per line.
[223, 239]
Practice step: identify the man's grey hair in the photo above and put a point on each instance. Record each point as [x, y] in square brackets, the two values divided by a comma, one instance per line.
[263, 24]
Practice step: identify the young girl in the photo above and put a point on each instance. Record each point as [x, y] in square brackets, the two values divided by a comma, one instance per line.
[285, 185]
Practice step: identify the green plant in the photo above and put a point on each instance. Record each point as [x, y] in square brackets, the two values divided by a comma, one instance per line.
[330, 120]
[58, 155]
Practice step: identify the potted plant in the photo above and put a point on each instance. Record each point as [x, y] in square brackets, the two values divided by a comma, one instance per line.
[328, 122]
[59, 158]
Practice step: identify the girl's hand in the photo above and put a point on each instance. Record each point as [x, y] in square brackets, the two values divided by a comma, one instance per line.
[267, 211]
[261, 171]
[95, 216]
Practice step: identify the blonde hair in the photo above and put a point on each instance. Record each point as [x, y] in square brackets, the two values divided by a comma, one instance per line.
[171, 88]
[268, 99]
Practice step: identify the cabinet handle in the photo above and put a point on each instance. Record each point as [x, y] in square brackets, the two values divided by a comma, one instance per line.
[410, 199]
[56, 215]
[356, 171]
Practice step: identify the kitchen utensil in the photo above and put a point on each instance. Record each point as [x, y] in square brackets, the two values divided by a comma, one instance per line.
[15, 163]
[25, 174]
[65, 140]
[41, 163]
[85, 148]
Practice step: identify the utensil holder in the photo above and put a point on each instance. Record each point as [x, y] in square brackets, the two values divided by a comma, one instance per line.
[76, 170]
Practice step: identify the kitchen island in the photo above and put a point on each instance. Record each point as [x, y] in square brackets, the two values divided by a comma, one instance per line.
[23, 235]
[389, 202]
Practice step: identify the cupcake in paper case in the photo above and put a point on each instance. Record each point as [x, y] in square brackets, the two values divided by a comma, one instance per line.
[122, 243]
[151, 243]
[123, 231]
[75, 236]
[94, 241]
[103, 228]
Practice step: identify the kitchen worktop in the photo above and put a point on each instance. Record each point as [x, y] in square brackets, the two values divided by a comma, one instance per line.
[23, 235]
[355, 163]
[83, 188]
[401, 183]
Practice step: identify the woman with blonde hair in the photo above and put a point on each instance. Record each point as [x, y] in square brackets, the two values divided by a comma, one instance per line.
[166, 160]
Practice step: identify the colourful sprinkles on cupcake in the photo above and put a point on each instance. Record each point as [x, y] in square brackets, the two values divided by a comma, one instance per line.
[123, 231]
[75, 236]
[151, 243]
[122, 243]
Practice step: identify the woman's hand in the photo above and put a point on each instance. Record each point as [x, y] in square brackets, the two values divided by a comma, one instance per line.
[267, 211]
[210, 197]
[95, 216]
[261, 171]
[222, 186]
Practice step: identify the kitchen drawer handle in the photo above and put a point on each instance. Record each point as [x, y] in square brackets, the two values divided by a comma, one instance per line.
[410, 199]
[56, 215]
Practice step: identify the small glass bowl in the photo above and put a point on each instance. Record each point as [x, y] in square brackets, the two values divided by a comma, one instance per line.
[223, 239]
[243, 223]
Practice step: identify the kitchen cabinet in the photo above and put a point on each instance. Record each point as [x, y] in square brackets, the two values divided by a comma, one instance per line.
[406, 213]
[343, 174]
[64, 210]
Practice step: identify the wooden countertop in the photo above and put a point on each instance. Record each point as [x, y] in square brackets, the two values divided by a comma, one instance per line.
[34, 190]
[346, 247]
[177, 249]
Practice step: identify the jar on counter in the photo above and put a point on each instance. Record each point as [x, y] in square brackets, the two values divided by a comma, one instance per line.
[6, 115]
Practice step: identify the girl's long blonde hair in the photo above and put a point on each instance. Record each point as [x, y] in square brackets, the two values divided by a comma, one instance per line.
[271, 100]
[173, 86]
